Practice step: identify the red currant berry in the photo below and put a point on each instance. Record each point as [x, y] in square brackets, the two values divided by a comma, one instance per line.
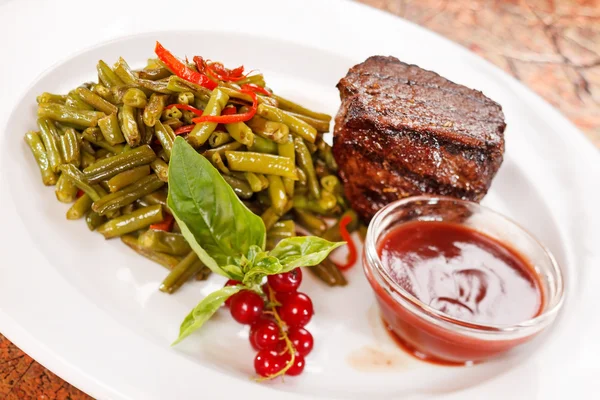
[246, 306]
[296, 310]
[264, 334]
[301, 339]
[268, 362]
[286, 282]
[230, 282]
[298, 365]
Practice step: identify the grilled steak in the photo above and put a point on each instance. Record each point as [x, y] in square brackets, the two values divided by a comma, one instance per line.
[402, 131]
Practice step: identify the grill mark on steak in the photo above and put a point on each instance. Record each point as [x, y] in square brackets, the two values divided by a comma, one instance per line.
[402, 131]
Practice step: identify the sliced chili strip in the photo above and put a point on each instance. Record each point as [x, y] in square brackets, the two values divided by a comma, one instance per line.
[256, 89]
[166, 225]
[184, 129]
[182, 70]
[231, 119]
[352, 252]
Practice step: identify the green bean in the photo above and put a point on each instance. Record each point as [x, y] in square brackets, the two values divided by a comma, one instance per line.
[94, 220]
[277, 193]
[240, 132]
[123, 71]
[158, 197]
[328, 200]
[171, 113]
[49, 135]
[107, 168]
[270, 216]
[138, 219]
[70, 115]
[107, 76]
[222, 149]
[74, 100]
[187, 268]
[110, 129]
[154, 108]
[256, 183]
[329, 273]
[218, 162]
[92, 134]
[103, 92]
[275, 131]
[240, 187]
[296, 125]
[65, 190]
[262, 145]
[255, 79]
[331, 184]
[304, 203]
[96, 101]
[103, 153]
[70, 148]
[128, 209]
[146, 132]
[81, 206]
[34, 142]
[305, 162]
[87, 159]
[186, 98]
[311, 222]
[172, 123]
[51, 98]
[161, 169]
[302, 179]
[127, 195]
[165, 137]
[80, 180]
[136, 98]
[129, 126]
[319, 124]
[262, 163]
[154, 74]
[165, 260]
[288, 105]
[201, 132]
[282, 229]
[126, 178]
[218, 138]
[287, 149]
[164, 242]
[178, 85]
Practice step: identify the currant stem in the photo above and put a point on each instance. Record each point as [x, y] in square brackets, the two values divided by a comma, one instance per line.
[289, 345]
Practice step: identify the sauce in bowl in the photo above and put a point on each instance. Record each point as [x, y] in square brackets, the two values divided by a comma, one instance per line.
[457, 283]
[462, 272]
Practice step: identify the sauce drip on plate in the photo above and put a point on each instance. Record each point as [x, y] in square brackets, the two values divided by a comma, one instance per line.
[462, 272]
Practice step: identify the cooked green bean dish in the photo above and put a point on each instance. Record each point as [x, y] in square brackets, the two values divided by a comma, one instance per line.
[105, 147]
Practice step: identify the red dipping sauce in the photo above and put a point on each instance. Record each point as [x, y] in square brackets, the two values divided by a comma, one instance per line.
[462, 272]
[452, 294]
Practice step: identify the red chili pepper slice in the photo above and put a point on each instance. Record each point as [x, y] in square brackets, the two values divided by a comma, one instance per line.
[79, 193]
[184, 129]
[182, 70]
[230, 119]
[229, 110]
[166, 224]
[185, 107]
[352, 252]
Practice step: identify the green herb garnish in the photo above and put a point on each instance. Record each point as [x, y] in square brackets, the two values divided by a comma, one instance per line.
[227, 237]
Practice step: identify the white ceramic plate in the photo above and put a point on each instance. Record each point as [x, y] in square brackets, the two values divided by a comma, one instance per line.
[89, 309]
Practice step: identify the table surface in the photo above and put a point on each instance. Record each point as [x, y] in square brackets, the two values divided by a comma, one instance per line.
[551, 46]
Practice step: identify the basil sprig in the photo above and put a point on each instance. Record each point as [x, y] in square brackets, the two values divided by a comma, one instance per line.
[226, 235]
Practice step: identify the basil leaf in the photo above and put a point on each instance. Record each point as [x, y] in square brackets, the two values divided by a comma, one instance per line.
[204, 310]
[302, 251]
[261, 265]
[218, 226]
[234, 272]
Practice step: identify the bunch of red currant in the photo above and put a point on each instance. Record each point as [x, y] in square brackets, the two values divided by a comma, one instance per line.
[277, 324]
